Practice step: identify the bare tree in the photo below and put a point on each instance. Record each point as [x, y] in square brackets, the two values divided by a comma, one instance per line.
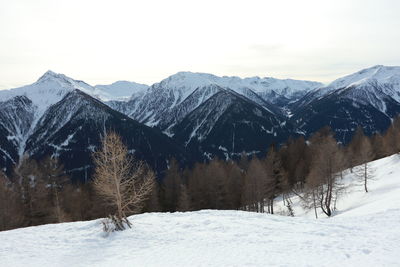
[217, 185]
[364, 172]
[276, 178]
[254, 188]
[294, 160]
[125, 183]
[153, 202]
[197, 187]
[171, 185]
[396, 128]
[11, 212]
[327, 163]
[392, 137]
[79, 202]
[355, 146]
[55, 178]
[184, 200]
[33, 192]
[235, 178]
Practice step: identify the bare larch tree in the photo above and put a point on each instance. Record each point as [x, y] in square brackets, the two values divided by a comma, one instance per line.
[125, 183]
[364, 172]
[326, 164]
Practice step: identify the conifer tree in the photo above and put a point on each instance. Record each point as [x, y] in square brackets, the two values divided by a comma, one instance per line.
[171, 186]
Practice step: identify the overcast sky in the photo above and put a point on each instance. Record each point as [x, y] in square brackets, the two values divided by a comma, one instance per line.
[145, 41]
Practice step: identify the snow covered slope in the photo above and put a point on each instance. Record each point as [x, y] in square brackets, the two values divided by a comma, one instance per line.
[47, 90]
[381, 74]
[365, 232]
[383, 196]
[227, 124]
[16, 117]
[371, 85]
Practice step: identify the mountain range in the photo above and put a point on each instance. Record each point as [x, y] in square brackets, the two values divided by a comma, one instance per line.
[188, 116]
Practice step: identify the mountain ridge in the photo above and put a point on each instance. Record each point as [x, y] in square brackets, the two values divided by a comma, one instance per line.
[195, 113]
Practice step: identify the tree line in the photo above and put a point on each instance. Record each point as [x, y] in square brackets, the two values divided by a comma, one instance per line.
[311, 169]
[40, 192]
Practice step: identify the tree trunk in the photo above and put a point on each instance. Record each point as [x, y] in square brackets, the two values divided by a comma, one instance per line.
[272, 205]
[365, 177]
[328, 211]
[315, 206]
[58, 209]
[118, 192]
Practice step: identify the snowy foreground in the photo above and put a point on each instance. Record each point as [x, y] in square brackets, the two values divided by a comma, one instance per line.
[365, 231]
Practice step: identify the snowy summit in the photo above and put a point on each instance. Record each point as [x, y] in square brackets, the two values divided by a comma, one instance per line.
[193, 80]
[120, 90]
[47, 90]
[379, 74]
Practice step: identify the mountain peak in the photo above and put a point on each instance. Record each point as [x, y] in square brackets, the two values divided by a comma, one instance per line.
[182, 84]
[120, 90]
[49, 75]
[378, 73]
[187, 78]
[64, 81]
[374, 69]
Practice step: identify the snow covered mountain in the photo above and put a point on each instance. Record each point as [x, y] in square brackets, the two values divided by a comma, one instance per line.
[166, 103]
[71, 130]
[369, 98]
[47, 90]
[199, 109]
[23, 107]
[120, 91]
[228, 124]
[51, 87]
[55, 116]
[203, 114]
[187, 82]
[368, 85]
[383, 75]
[32, 101]
[376, 86]
[51, 117]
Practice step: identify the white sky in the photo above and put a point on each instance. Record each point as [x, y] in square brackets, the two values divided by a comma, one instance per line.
[145, 41]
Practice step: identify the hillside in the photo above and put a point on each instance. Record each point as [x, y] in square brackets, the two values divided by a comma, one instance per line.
[363, 232]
